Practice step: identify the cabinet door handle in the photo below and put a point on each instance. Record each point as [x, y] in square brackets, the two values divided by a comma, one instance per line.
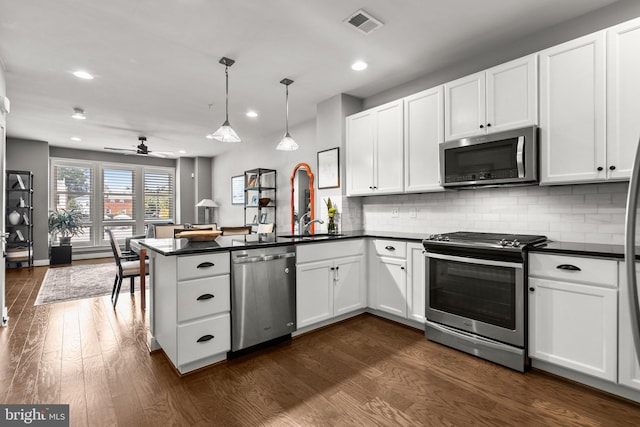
[390, 248]
[401, 268]
[205, 338]
[206, 264]
[612, 168]
[488, 125]
[332, 268]
[532, 289]
[481, 126]
[568, 267]
[204, 297]
[600, 168]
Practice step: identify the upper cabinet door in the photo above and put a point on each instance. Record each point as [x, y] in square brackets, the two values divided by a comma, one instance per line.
[572, 111]
[360, 149]
[623, 97]
[389, 157]
[464, 102]
[512, 94]
[423, 132]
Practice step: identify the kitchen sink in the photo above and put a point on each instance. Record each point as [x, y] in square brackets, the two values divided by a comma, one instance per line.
[310, 236]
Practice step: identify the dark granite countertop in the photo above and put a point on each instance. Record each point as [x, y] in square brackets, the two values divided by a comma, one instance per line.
[584, 249]
[254, 241]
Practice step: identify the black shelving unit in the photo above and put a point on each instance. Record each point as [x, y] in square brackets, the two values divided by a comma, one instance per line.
[260, 184]
[19, 218]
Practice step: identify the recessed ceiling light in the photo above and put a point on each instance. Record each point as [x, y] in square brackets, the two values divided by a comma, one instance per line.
[78, 114]
[209, 136]
[83, 75]
[182, 151]
[359, 66]
[75, 138]
[252, 113]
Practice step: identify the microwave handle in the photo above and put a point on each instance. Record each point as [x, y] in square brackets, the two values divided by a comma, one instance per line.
[520, 156]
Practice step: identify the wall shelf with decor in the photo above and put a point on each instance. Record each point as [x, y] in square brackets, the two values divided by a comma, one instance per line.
[19, 218]
[260, 195]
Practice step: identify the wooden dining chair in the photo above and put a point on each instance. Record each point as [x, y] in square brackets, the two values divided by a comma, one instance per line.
[128, 264]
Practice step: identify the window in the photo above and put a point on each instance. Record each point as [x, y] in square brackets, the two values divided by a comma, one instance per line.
[158, 196]
[110, 196]
[73, 189]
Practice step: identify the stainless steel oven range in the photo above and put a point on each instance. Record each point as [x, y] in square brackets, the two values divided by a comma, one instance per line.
[475, 294]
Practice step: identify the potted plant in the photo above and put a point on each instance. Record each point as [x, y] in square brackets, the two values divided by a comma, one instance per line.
[67, 223]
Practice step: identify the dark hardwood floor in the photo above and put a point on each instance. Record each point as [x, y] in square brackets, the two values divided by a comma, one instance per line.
[362, 372]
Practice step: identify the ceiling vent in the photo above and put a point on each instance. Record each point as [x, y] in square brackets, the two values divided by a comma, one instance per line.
[364, 22]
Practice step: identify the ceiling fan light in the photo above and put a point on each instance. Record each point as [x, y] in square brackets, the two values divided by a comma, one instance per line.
[287, 143]
[225, 134]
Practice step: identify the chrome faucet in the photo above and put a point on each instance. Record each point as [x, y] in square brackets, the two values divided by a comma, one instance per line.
[307, 225]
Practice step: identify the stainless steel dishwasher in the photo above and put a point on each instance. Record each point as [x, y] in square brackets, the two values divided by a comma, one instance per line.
[263, 295]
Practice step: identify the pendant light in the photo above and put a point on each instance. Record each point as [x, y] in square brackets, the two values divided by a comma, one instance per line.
[287, 143]
[226, 133]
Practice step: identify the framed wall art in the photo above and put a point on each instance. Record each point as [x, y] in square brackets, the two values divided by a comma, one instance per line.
[329, 168]
[237, 190]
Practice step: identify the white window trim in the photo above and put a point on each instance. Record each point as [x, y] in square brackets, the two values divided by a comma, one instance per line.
[97, 199]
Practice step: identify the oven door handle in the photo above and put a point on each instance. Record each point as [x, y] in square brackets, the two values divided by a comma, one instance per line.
[488, 262]
[476, 339]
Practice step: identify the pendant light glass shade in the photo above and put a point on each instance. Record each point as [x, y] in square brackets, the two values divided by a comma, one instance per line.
[226, 133]
[287, 143]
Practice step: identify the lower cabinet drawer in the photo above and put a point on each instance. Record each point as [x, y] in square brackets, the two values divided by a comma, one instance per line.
[204, 265]
[203, 297]
[204, 338]
[596, 271]
[392, 248]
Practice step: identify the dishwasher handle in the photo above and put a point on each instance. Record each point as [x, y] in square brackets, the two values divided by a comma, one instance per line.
[261, 258]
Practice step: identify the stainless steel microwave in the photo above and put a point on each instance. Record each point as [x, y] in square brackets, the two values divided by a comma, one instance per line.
[509, 157]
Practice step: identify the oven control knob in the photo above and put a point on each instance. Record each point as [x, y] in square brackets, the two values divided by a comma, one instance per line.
[515, 243]
[503, 242]
[445, 238]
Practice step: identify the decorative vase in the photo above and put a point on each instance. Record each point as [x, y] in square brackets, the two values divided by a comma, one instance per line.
[14, 218]
[331, 227]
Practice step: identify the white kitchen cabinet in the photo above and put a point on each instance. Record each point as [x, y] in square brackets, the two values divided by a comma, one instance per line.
[389, 276]
[375, 140]
[191, 311]
[500, 98]
[314, 292]
[424, 131]
[623, 97]
[572, 316]
[572, 111]
[415, 282]
[329, 281]
[628, 366]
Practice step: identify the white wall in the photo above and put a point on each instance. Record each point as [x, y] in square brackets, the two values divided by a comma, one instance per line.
[262, 154]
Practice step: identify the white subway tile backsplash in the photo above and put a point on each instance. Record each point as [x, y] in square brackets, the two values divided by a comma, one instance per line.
[592, 213]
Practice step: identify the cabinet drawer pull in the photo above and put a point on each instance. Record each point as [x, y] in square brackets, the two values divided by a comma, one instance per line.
[204, 297]
[206, 264]
[205, 338]
[390, 248]
[568, 267]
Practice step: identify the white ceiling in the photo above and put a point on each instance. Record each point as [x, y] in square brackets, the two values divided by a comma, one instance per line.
[157, 71]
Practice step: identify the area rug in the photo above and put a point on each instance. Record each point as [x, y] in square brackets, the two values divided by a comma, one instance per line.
[78, 282]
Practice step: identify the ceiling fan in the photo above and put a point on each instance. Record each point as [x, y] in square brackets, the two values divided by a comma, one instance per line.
[141, 149]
